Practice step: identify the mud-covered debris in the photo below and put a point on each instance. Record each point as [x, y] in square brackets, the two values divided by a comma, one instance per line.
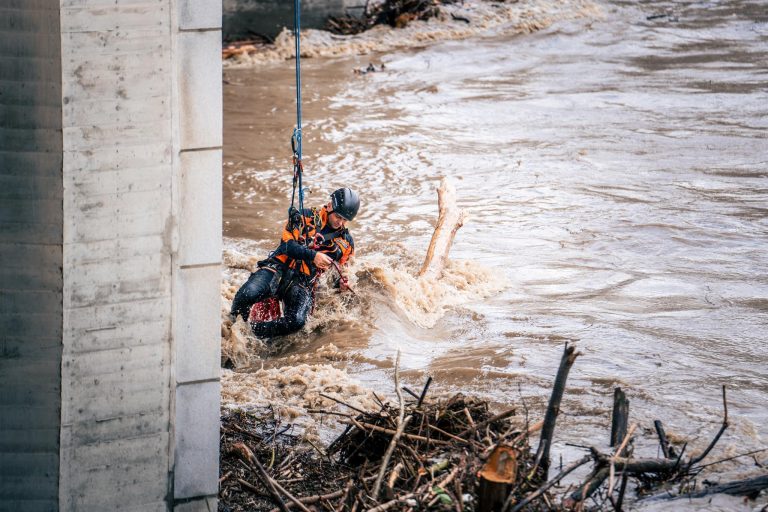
[293, 464]
[452, 454]
[395, 13]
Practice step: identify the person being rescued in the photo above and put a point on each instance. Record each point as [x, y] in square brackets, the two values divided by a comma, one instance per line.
[289, 272]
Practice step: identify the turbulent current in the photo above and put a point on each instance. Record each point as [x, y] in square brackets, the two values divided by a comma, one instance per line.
[614, 169]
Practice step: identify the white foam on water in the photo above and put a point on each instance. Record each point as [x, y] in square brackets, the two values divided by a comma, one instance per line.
[386, 279]
[294, 390]
[423, 300]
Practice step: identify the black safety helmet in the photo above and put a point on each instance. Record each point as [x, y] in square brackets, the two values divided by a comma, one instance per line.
[345, 202]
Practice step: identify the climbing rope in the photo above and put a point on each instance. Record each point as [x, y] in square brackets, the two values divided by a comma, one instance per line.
[298, 168]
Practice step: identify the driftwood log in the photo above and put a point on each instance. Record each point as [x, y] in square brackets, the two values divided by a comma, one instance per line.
[620, 416]
[450, 219]
[750, 487]
[666, 448]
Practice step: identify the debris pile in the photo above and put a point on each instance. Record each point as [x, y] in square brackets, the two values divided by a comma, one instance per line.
[246, 46]
[428, 454]
[395, 13]
[453, 454]
[261, 458]
[422, 453]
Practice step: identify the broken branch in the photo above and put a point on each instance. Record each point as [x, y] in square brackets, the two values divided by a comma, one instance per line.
[553, 409]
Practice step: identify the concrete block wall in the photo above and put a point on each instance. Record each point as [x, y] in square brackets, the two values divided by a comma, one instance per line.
[197, 273]
[110, 209]
[30, 254]
[118, 246]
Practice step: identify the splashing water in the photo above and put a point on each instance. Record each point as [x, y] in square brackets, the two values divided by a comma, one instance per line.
[383, 280]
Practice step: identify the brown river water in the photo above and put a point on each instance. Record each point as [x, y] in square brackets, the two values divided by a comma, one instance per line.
[615, 172]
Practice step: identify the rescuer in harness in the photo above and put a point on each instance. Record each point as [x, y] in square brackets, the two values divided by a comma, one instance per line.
[290, 271]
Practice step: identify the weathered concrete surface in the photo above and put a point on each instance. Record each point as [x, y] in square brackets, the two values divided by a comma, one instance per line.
[30, 232]
[197, 262]
[195, 427]
[117, 190]
[110, 209]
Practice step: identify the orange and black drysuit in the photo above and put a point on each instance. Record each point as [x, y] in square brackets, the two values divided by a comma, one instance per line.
[289, 272]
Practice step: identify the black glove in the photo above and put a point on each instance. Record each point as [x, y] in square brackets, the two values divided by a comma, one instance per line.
[294, 217]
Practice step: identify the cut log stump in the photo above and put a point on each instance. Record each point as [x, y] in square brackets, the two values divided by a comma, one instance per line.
[496, 479]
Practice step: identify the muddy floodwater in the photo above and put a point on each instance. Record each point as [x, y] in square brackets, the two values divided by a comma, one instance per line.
[615, 172]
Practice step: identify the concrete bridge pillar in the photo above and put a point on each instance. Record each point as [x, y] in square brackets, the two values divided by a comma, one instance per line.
[110, 248]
